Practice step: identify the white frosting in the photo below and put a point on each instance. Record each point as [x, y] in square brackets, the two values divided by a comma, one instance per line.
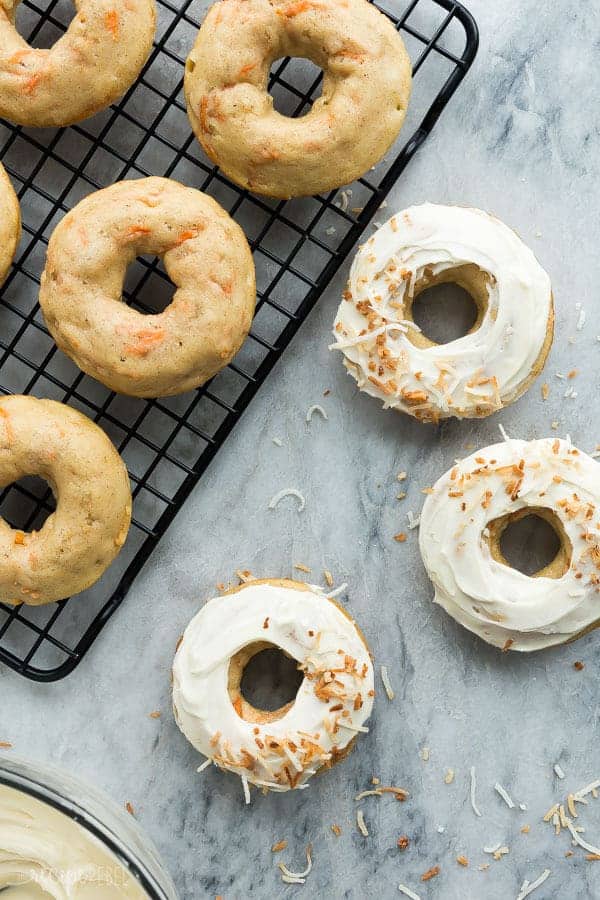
[473, 375]
[501, 604]
[332, 704]
[45, 854]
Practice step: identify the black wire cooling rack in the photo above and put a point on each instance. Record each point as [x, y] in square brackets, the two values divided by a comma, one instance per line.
[298, 246]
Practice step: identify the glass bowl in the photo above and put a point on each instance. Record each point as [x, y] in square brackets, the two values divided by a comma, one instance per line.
[118, 833]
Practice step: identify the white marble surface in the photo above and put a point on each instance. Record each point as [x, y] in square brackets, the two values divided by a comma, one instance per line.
[520, 139]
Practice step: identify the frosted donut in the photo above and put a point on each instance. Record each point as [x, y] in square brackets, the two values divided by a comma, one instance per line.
[10, 223]
[205, 254]
[474, 376]
[366, 88]
[80, 539]
[277, 750]
[463, 520]
[91, 65]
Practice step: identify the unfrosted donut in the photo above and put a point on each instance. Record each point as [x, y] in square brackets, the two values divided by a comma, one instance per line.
[81, 538]
[10, 223]
[474, 376]
[366, 88]
[463, 520]
[207, 257]
[89, 67]
[277, 750]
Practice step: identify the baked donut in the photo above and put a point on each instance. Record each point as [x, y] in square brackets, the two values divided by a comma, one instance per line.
[207, 257]
[81, 538]
[463, 520]
[471, 377]
[277, 750]
[350, 127]
[89, 67]
[10, 223]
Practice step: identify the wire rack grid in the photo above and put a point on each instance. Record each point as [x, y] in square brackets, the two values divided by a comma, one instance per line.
[298, 246]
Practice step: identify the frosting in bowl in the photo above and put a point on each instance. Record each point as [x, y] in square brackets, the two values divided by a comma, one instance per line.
[45, 855]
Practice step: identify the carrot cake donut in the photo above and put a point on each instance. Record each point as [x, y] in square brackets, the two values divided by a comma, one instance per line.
[99, 57]
[10, 223]
[461, 526]
[277, 750]
[205, 254]
[81, 538]
[492, 365]
[350, 127]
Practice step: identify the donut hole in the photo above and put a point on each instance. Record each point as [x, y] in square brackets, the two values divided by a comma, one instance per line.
[448, 305]
[295, 88]
[27, 503]
[27, 23]
[263, 682]
[147, 287]
[532, 541]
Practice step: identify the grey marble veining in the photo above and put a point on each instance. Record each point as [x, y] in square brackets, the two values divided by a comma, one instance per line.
[520, 139]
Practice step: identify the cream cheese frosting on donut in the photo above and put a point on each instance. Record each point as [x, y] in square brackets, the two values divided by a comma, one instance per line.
[500, 604]
[275, 751]
[44, 854]
[469, 377]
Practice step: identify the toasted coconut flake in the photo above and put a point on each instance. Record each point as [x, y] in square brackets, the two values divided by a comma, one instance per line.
[588, 789]
[386, 683]
[277, 441]
[449, 776]
[424, 754]
[298, 877]
[430, 873]
[316, 407]
[551, 812]
[500, 852]
[407, 892]
[360, 821]
[374, 793]
[246, 789]
[204, 765]
[505, 796]
[328, 577]
[528, 888]
[462, 861]
[287, 492]
[280, 845]
[336, 829]
[473, 789]
[338, 590]
[302, 568]
[5, 745]
[558, 771]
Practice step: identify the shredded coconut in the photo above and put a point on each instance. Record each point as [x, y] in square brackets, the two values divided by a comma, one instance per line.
[315, 408]
[297, 877]
[473, 789]
[373, 793]
[528, 888]
[575, 832]
[287, 492]
[558, 771]
[507, 799]
[581, 319]
[413, 521]
[246, 789]
[386, 683]
[278, 442]
[338, 590]
[204, 765]
[407, 892]
[502, 430]
[360, 821]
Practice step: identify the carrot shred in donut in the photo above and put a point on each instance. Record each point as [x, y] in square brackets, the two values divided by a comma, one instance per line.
[146, 340]
[186, 236]
[137, 230]
[32, 83]
[111, 21]
[245, 69]
[295, 9]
